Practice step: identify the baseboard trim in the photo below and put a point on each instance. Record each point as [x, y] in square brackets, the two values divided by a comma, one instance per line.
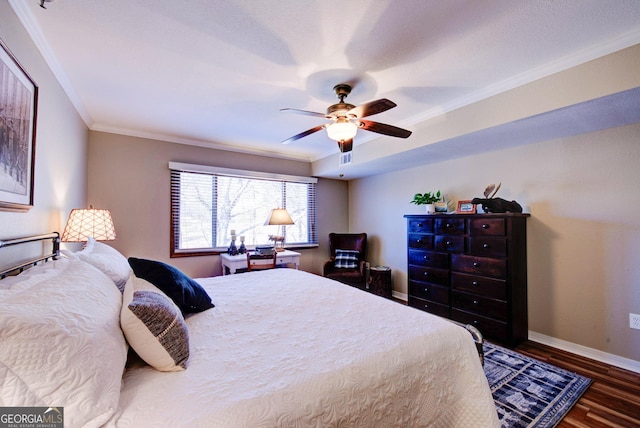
[400, 296]
[594, 354]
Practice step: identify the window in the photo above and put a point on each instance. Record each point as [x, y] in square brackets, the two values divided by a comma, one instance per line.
[207, 203]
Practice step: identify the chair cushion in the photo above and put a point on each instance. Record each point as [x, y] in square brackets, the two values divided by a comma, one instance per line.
[346, 259]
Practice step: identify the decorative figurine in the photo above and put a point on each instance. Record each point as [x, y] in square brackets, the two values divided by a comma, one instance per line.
[233, 250]
[278, 242]
[242, 248]
[490, 204]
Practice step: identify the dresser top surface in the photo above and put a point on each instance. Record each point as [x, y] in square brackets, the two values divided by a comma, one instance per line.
[484, 215]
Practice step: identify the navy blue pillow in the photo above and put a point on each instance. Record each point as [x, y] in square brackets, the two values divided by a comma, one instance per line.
[184, 291]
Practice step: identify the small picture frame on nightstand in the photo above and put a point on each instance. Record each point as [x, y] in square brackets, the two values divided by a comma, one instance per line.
[466, 207]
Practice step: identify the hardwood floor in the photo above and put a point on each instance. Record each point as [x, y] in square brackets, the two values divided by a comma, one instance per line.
[613, 398]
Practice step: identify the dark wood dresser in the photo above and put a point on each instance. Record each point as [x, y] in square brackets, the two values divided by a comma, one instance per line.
[471, 268]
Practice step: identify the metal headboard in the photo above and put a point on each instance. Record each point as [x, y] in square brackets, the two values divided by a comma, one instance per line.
[54, 254]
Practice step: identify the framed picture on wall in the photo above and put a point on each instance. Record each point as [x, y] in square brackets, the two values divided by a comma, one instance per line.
[18, 113]
[466, 207]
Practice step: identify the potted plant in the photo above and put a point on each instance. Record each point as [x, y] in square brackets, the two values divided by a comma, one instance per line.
[428, 200]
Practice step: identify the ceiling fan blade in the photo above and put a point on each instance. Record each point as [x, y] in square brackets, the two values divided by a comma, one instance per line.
[383, 128]
[303, 134]
[306, 112]
[372, 107]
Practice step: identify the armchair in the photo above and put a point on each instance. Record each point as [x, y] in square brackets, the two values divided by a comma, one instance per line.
[349, 267]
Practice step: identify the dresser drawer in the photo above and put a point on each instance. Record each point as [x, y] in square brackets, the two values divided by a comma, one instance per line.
[432, 307]
[488, 246]
[490, 308]
[449, 226]
[428, 258]
[483, 266]
[495, 288]
[425, 274]
[435, 293]
[490, 328]
[420, 225]
[451, 244]
[487, 226]
[420, 241]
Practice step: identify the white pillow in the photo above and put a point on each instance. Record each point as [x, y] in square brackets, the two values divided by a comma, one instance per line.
[154, 326]
[33, 275]
[108, 260]
[62, 345]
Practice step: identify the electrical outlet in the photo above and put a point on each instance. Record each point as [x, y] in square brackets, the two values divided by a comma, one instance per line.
[634, 321]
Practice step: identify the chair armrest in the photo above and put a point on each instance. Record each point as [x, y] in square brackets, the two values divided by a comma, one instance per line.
[329, 266]
[363, 267]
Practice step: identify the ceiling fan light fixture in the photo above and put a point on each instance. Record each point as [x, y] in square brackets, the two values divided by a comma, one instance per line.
[342, 129]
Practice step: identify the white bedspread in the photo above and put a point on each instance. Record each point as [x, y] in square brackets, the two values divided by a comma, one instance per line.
[284, 348]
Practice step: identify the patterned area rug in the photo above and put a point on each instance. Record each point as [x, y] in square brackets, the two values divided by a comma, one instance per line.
[527, 392]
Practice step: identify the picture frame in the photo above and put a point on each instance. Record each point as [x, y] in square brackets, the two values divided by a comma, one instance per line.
[466, 207]
[18, 116]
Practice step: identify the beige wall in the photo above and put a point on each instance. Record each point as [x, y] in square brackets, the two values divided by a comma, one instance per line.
[61, 143]
[130, 177]
[583, 234]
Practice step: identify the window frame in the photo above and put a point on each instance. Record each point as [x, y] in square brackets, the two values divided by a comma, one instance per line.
[211, 170]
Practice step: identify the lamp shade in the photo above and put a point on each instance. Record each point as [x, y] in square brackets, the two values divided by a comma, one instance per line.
[89, 222]
[278, 217]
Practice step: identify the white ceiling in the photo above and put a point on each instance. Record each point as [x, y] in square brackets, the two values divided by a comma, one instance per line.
[215, 73]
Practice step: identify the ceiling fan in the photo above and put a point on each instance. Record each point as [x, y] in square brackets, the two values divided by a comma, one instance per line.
[347, 118]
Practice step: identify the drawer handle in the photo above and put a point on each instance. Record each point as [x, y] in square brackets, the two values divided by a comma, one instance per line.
[476, 264]
[426, 274]
[419, 224]
[474, 283]
[426, 290]
[448, 243]
[427, 258]
[418, 241]
[485, 226]
[448, 225]
[475, 322]
[475, 302]
[485, 245]
[426, 306]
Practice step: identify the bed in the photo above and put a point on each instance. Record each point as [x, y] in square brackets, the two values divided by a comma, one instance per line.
[275, 348]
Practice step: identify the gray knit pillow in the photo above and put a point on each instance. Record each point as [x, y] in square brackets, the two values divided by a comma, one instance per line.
[154, 326]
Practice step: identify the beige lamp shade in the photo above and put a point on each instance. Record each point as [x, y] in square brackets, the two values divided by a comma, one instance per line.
[278, 217]
[92, 222]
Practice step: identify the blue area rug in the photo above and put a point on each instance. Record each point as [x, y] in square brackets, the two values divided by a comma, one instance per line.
[528, 392]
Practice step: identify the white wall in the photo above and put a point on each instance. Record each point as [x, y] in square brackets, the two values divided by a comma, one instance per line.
[61, 143]
[583, 234]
